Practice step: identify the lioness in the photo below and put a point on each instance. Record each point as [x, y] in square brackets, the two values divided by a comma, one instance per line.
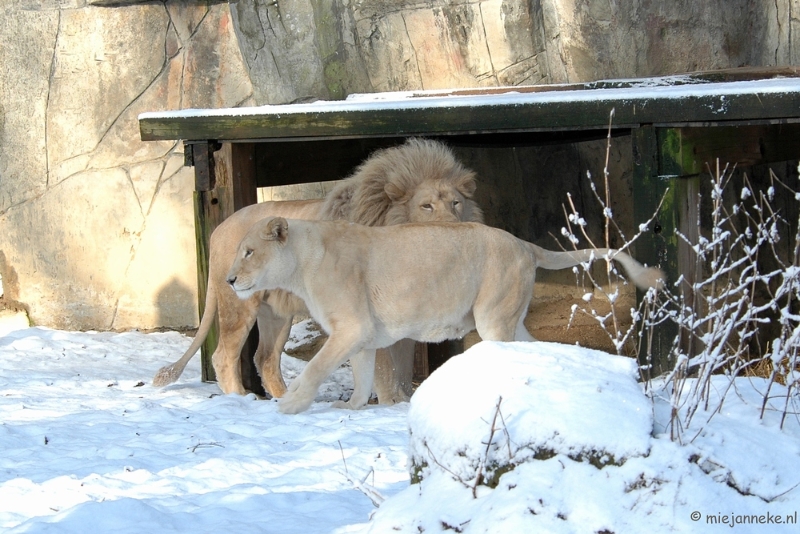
[418, 181]
[369, 287]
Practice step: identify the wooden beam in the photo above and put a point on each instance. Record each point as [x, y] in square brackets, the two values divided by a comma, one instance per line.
[208, 213]
[764, 101]
[235, 171]
[657, 246]
[239, 160]
[224, 182]
[690, 151]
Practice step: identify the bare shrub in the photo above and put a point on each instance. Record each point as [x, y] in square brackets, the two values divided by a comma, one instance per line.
[742, 282]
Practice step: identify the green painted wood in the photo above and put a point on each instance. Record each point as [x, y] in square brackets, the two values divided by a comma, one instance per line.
[690, 151]
[574, 110]
[684, 157]
[211, 207]
[658, 245]
[206, 218]
[234, 167]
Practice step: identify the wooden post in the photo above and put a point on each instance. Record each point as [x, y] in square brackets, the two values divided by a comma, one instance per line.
[242, 161]
[421, 370]
[207, 216]
[208, 213]
[656, 247]
[670, 162]
[224, 182]
[678, 158]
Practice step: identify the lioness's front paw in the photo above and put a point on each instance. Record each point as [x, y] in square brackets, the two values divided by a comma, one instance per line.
[291, 402]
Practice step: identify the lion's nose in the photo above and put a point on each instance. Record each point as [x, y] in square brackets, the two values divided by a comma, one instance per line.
[231, 280]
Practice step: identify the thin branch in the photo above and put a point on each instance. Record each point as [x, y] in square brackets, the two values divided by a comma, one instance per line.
[479, 476]
[361, 485]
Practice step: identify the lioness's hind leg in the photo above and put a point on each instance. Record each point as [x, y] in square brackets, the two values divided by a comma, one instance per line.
[522, 333]
[273, 332]
[496, 327]
[394, 371]
[236, 318]
[501, 317]
[363, 365]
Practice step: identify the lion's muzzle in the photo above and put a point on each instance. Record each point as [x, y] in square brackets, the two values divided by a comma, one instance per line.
[241, 292]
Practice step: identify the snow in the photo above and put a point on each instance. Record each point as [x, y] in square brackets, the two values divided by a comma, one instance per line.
[453, 99]
[456, 404]
[88, 445]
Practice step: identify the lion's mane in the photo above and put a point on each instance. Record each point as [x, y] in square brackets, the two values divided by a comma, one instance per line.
[363, 197]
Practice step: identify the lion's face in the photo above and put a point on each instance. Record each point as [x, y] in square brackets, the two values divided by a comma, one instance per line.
[433, 201]
[261, 260]
[436, 203]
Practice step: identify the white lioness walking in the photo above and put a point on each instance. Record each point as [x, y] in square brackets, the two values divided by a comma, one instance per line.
[369, 287]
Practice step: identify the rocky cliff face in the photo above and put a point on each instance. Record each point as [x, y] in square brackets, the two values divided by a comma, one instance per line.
[96, 227]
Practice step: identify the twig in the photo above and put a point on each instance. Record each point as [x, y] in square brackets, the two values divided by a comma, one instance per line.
[783, 493]
[205, 446]
[343, 460]
[479, 477]
[361, 485]
[437, 462]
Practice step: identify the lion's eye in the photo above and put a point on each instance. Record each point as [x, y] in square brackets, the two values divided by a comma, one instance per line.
[428, 207]
[456, 203]
[248, 252]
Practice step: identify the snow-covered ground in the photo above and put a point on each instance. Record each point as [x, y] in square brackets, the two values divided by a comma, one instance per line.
[88, 445]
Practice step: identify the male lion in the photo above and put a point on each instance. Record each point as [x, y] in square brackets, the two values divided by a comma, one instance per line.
[418, 181]
[369, 287]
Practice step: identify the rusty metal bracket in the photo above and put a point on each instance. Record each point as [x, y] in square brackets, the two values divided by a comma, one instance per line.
[188, 156]
[200, 155]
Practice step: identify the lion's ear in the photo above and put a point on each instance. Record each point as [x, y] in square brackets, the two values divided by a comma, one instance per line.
[466, 184]
[277, 230]
[394, 192]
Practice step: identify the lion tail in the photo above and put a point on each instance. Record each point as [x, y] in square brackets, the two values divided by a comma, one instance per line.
[170, 373]
[643, 277]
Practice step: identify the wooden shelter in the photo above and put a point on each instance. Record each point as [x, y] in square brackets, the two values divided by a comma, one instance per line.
[677, 124]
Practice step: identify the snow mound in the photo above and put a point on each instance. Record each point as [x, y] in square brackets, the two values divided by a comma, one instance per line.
[499, 405]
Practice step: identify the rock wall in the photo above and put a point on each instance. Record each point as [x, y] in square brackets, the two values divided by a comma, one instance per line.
[96, 227]
[298, 49]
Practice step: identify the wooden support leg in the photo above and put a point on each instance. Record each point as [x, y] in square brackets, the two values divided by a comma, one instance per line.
[206, 218]
[236, 170]
[208, 213]
[225, 181]
[657, 246]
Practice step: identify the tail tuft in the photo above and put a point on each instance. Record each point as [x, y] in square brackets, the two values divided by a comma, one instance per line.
[166, 375]
[648, 277]
[656, 278]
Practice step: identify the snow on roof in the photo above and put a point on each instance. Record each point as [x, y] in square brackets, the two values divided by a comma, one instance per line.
[674, 87]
